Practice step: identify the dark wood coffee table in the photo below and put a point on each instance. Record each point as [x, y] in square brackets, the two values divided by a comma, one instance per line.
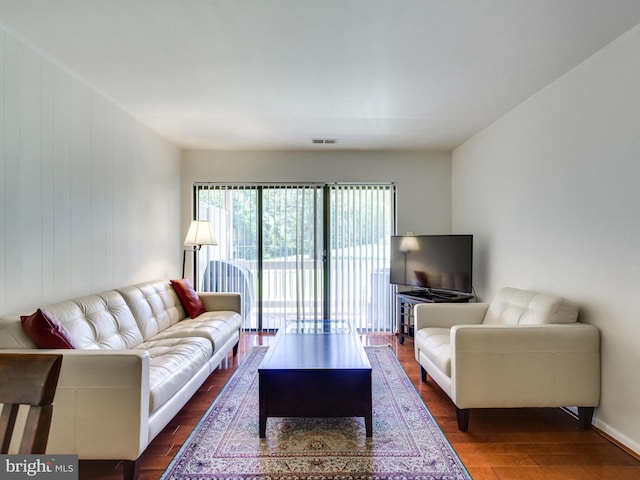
[315, 368]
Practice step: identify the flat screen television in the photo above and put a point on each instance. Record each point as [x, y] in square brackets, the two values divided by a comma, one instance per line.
[441, 262]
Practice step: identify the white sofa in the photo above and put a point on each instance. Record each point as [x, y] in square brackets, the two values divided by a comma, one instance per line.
[138, 359]
[524, 349]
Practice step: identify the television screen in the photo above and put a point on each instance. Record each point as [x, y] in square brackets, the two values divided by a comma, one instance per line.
[433, 261]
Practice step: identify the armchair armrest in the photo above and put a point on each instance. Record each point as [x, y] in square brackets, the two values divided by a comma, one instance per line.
[219, 301]
[446, 315]
[549, 365]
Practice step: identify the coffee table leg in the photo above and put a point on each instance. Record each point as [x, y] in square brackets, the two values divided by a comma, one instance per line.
[263, 426]
[368, 418]
[262, 401]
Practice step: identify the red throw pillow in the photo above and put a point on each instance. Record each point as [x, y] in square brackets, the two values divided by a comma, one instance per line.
[188, 296]
[46, 331]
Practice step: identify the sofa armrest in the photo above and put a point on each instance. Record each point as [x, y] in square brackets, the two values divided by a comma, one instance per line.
[101, 405]
[221, 301]
[549, 365]
[446, 315]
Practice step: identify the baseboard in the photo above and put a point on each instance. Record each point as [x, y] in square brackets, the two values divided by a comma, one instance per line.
[611, 434]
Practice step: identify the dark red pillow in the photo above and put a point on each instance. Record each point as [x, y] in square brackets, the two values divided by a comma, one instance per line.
[46, 331]
[188, 296]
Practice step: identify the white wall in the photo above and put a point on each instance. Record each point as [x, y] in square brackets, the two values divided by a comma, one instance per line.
[552, 193]
[89, 196]
[423, 178]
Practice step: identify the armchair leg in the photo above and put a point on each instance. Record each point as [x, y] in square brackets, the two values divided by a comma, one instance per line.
[462, 415]
[585, 415]
[235, 348]
[131, 469]
[423, 373]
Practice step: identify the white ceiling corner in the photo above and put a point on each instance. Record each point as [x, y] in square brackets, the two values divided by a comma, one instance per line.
[274, 74]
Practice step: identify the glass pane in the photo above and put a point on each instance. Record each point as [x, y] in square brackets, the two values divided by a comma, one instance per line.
[232, 265]
[292, 257]
[361, 225]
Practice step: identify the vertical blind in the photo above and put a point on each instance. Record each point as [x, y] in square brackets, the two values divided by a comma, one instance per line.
[361, 223]
[232, 265]
[292, 269]
[300, 251]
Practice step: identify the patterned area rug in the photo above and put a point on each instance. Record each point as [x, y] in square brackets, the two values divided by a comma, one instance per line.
[406, 444]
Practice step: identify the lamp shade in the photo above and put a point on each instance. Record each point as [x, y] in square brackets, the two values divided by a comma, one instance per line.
[409, 244]
[200, 233]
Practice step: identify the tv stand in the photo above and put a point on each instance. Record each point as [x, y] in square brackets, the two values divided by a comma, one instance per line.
[431, 294]
[407, 300]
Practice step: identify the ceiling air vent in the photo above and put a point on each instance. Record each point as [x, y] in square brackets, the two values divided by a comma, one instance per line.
[324, 141]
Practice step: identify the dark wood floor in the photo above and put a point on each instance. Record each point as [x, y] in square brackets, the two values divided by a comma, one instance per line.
[508, 444]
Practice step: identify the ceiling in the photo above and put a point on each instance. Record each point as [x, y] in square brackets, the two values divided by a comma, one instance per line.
[275, 74]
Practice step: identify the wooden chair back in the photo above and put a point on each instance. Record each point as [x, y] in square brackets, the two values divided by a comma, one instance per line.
[31, 380]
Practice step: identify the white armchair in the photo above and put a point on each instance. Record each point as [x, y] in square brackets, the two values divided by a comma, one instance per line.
[524, 349]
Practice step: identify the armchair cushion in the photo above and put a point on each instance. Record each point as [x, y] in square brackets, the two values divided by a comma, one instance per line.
[435, 344]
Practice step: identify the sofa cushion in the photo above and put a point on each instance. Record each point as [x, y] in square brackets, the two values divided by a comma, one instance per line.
[46, 331]
[172, 363]
[188, 296]
[435, 344]
[512, 306]
[155, 306]
[217, 327]
[101, 321]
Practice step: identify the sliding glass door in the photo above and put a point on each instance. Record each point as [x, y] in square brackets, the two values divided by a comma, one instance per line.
[300, 251]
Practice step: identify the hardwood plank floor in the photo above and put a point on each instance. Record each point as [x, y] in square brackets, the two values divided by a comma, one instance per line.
[506, 444]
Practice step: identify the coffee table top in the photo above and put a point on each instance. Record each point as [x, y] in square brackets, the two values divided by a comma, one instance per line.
[316, 345]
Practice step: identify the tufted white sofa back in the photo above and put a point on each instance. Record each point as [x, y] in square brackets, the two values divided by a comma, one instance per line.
[155, 306]
[101, 321]
[96, 322]
[116, 319]
[512, 306]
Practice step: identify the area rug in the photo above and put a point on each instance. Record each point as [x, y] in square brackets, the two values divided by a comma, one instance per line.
[406, 443]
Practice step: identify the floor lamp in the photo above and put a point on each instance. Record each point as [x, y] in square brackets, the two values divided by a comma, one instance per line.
[200, 233]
